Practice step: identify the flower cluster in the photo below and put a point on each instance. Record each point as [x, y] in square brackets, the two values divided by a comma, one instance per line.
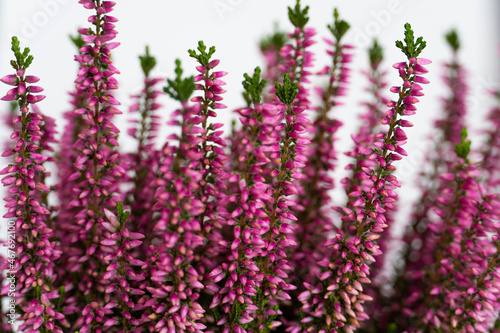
[358, 179]
[26, 204]
[313, 200]
[370, 127]
[206, 231]
[67, 157]
[97, 168]
[439, 161]
[462, 278]
[121, 274]
[336, 299]
[145, 158]
[296, 56]
[243, 210]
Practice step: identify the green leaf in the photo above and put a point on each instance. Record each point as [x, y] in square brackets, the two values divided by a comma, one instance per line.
[26, 52]
[13, 63]
[15, 46]
[274, 41]
[288, 91]
[215, 311]
[148, 62]
[181, 88]
[411, 47]
[376, 54]
[453, 40]
[28, 61]
[339, 27]
[59, 303]
[121, 215]
[119, 209]
[13, 107]
[203, 56]
[77, 40]
[23, 59]
[392, 328]
[247, 98]
[298, 16]
[253, 87]
[463, 149]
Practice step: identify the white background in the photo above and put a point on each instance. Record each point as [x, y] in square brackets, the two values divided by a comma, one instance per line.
[236, 26]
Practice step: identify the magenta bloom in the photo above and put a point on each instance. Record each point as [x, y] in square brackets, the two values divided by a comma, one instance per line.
[31, 250]
[314, 188]
[124, 273]
[459, 290]
[240, 272]
[346, 269]
[98, 168]
[145, 159]
[185, 201]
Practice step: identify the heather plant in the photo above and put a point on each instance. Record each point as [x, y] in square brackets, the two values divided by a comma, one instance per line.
[205, 230]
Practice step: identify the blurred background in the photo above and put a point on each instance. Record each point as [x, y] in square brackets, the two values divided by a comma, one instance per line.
[235, 27]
